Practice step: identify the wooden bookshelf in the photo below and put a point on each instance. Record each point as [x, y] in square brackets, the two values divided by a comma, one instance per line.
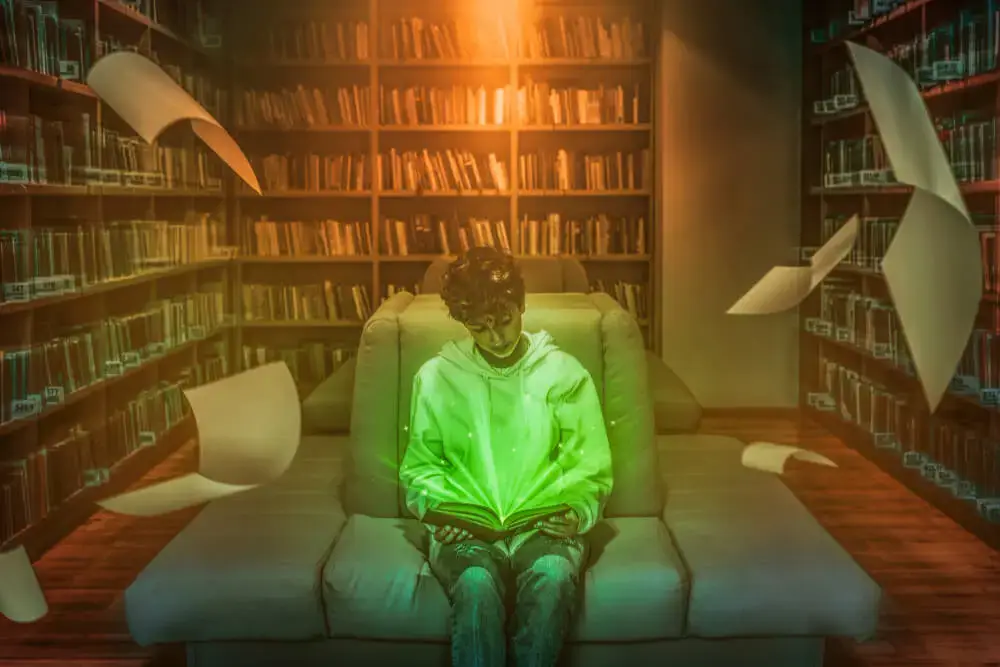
[856, 375]
[72, 428]
[507, 137]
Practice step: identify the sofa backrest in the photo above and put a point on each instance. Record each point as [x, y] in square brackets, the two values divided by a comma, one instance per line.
[406, 331]
[541, 275]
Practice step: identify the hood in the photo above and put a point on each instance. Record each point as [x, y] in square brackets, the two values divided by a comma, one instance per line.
[463, 353]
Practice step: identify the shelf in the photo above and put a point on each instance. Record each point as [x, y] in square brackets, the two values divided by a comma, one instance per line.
[584, 193]
[949, 88]
[979, 187]
[11, 307]
[45, 81]
[280, 63]
[595, 127]
[75, 510]
[318, 129]
[56, 190]
[400, 259]
[125, 12]
[387, 194]
[302, 324]
[443, 62]
[960, 511]
[306, 259]
[583, 62]
[307, 194]
[890, 17]
[100, 385]
[445, 128]
[864, 272]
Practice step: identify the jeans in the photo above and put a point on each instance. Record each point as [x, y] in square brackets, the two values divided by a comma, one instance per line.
[540, 579]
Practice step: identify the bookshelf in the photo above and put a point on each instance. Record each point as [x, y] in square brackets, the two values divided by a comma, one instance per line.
[410, 111]
[115, 275]
[857, 377]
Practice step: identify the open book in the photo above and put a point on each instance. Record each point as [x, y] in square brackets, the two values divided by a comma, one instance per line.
[483, 523]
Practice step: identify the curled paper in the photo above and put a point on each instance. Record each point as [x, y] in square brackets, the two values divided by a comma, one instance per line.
[21, 597]
[769, 457]
[784, 287]
[249, 426]
[933, 266]
[150, 101]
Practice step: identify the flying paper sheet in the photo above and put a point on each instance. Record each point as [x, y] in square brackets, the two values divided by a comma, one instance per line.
[768, 457]
[21, 598]
[150, 101]
[784, 287]
[933, 267]
[249, 426]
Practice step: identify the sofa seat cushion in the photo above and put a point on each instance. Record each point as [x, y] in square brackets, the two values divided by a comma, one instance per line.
[328, 408]
[675, 408]
[760, 564]
[378, 585]
[248, 566]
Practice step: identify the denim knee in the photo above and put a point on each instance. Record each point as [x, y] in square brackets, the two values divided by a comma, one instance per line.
[476, 583]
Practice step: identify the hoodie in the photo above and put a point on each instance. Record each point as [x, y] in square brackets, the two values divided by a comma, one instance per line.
[526, 436]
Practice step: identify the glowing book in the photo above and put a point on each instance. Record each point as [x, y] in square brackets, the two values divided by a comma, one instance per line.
[484, 523]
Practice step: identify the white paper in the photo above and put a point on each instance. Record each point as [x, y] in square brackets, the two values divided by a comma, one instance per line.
[935, 279]
[785, 287]
[249, 427]
[933, 267]
[175, 494]
[150, 101]
[769, 457]
[21, 597]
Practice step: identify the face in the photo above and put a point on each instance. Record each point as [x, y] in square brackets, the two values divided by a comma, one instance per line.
[498, 335]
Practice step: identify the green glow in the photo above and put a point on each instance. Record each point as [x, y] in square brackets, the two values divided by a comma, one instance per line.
[509, 440]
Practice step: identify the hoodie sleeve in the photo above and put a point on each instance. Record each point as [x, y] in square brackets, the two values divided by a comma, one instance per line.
[585, 453]
[424, 470]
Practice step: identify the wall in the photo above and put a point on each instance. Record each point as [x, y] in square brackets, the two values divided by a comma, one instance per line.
[729, 145]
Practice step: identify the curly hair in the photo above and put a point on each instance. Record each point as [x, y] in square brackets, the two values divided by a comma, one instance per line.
[482, 282]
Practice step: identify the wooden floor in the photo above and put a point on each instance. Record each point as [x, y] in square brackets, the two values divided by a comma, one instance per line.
[942, 585]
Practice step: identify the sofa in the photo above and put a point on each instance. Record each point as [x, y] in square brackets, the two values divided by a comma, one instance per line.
[698, 561]
[675, 409]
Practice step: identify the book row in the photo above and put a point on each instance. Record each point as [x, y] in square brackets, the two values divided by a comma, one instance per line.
[431, 235]
[575, 170]
[326, 302]
[969, 140]
[86, 455]
[415, 38]
[326, 238]
[309, 362]
[34, 36]
[42, 373]
[537, 104]
[960, 458]
[633, 297]
[49, 261]
[877, 233]
[871, 325]
[35, 150]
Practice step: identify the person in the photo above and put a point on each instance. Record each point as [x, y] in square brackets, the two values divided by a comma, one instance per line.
[505, 419]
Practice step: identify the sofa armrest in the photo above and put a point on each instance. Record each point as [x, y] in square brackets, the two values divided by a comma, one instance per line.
[675, 408]
[328, 408]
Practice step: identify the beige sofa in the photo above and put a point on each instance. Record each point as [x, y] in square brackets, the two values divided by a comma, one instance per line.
[698, 562]
[675, 409]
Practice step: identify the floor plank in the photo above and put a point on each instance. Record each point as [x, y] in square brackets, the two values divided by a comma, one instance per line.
[941, 583]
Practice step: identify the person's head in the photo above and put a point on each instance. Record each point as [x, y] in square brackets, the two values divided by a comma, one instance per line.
[484, 290]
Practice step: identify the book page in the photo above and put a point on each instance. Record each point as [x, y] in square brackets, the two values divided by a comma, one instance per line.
[769, 457]
[785, 287]
[933, 266]
[21, 597]
[146, 98]
[249, 427]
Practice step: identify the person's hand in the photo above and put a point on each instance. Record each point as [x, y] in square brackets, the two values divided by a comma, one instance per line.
[560, 525]
[450, 534]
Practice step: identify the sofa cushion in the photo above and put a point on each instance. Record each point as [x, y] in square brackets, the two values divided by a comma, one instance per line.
[328, 408]
[248, 566]
[636, 587]
[760, 564]
[372, 483]
[675, 408]
[378, 585]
